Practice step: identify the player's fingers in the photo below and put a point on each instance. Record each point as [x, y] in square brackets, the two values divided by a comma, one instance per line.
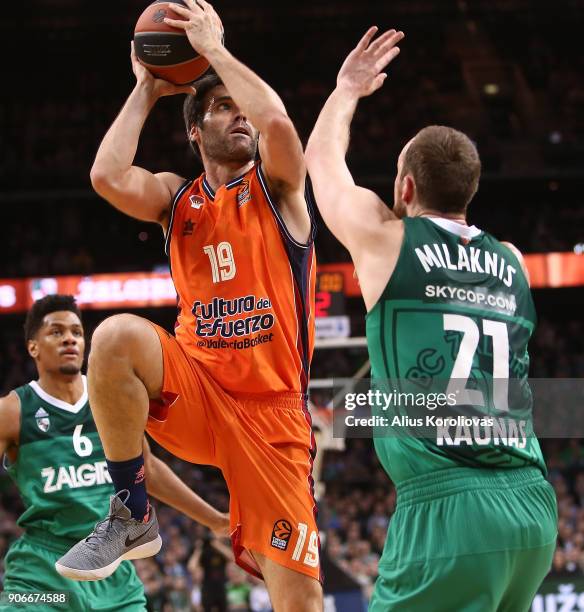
[132, 50]
[378, 42]
[204, 5]
[387, 58]
[179, 9]
[193, 5]
[378, 81]
[176, 23]
[364, 42]
[214, 15]
[186, 89]
[389, 44]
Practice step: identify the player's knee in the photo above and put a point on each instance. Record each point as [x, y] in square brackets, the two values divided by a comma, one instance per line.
[115, 337]
[309, 598]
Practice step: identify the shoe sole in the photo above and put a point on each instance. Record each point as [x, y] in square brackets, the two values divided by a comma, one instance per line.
[140, 552]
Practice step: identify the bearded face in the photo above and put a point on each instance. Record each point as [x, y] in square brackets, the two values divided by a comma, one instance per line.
[226, 136]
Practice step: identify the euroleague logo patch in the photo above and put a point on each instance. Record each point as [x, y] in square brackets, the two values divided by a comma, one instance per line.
[281, 534]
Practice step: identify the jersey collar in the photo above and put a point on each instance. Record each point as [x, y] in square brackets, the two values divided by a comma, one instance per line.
[58, 403]
[209, 190]
[464, 231]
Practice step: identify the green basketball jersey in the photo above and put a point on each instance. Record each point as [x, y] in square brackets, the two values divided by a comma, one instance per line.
[60, 469]
[458, 311]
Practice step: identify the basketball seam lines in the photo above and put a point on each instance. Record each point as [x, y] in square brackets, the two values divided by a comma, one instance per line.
[170, 65]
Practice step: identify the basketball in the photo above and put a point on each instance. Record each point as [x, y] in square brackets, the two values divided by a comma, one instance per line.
[166, 51]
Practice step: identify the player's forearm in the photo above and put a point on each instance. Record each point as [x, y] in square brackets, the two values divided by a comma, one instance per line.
[163, 484]
[117, 150]
[329, 140]
[325, 161]
[256, 99]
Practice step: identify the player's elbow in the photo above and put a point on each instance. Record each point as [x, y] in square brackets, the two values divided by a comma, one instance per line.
[101, 180]
[107, 184]
[278, 125]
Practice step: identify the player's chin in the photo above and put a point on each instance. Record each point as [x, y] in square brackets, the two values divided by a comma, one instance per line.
[243, 151]
[70, 369]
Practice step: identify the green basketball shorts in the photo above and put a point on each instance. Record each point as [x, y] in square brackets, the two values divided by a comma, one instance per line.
[470, 540]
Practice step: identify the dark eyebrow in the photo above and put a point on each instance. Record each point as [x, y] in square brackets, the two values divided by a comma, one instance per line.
[221, 99]
[59, 324]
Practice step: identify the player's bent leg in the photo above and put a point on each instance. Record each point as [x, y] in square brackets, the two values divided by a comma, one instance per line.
[125, 371]
[290, 591]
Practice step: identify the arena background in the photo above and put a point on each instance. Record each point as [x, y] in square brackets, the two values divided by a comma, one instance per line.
[507, 72]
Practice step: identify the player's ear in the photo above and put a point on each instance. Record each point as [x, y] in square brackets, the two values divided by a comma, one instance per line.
[33, 348]
[408, 189]
[195, 134]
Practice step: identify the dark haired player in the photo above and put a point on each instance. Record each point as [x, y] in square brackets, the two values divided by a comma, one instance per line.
[475, 522]
[229, 387]
[54, 455]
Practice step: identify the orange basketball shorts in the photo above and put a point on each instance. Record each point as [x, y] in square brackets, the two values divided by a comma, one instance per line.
[263, 445]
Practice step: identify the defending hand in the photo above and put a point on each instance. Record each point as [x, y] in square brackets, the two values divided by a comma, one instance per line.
[360, 74]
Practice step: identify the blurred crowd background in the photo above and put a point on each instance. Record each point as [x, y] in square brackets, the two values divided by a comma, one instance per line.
[503, 71]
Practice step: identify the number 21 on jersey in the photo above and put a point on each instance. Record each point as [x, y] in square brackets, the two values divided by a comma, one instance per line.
[222, 261]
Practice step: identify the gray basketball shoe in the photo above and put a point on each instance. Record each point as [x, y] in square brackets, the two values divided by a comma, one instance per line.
[114, 539]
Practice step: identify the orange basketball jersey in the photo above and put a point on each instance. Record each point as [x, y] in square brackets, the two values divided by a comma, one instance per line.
[245, 286]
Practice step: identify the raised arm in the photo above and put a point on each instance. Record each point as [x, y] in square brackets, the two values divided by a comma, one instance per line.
[350, 212]
[280, 147]
[131, 189]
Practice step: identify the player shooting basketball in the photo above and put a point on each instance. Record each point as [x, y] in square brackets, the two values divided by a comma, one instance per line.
[229, 389]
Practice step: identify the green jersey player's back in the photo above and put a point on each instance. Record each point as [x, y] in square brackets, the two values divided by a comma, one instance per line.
[457, 310]
[60, 469]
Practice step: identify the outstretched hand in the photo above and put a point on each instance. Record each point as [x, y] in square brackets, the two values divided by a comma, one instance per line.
[361, 73]
[201, 24]
[158, 87]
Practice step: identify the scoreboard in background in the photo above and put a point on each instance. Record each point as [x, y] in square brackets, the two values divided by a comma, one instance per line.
[151, 289]
[331, 319]
[334, 283]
